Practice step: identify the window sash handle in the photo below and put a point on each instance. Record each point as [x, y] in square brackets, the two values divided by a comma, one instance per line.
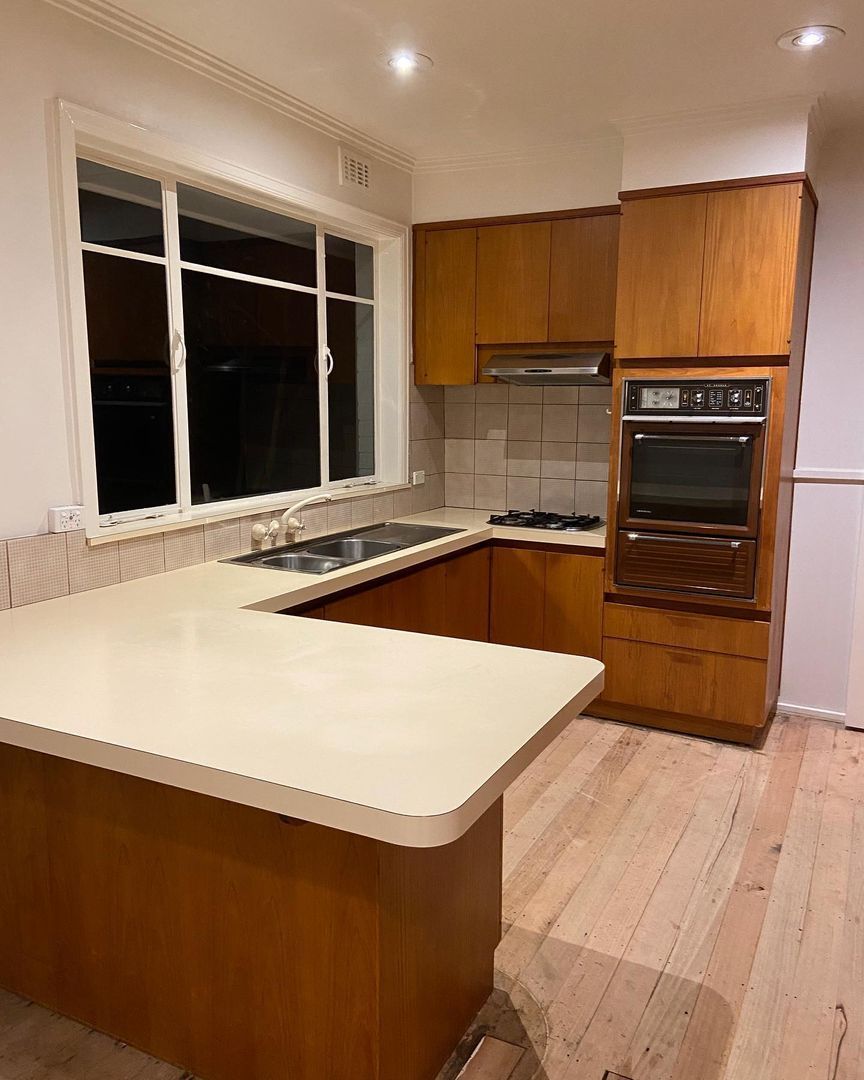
[179, 351]
[328, 356]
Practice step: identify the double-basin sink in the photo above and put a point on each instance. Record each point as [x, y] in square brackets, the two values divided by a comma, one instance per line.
[344, 549]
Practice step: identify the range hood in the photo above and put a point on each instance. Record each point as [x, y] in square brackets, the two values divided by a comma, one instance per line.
[551, 368]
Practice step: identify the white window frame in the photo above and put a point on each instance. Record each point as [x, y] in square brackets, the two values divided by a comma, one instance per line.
[84, 133]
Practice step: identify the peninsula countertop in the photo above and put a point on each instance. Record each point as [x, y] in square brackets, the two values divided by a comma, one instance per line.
[192, 679]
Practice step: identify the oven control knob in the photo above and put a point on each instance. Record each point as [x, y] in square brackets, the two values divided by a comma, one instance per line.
[735, 398]
[698, 399]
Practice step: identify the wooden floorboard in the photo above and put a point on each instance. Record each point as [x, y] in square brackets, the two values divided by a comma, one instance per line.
[675, 909]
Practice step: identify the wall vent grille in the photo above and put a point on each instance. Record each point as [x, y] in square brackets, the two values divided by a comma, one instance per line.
[353, 170]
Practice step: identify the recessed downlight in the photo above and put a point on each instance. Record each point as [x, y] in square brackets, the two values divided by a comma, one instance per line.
[406, 62]
[806, 38]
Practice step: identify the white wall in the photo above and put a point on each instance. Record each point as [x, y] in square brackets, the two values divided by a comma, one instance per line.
[48, 54]
[550, 181]
[827, 518]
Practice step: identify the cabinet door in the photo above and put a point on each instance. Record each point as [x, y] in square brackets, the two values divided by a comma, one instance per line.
[444, 307]
[518, 582]
[573, 618]
[466, 595]
[513, 282]
[363, 607]
[660, 276]
[582, 275]
[751, 251]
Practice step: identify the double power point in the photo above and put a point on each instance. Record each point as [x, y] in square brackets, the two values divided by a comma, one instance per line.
[65, 519]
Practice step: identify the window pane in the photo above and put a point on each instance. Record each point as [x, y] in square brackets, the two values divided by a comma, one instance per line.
[119, 209]
[252, 388]
[351, 389]
[127, 330]
[232, 235]
[349, 267]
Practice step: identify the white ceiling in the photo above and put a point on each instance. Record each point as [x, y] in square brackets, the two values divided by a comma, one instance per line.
[513, 74]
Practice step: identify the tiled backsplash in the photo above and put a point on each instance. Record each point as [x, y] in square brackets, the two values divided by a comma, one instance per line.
[34, 568]
[527, 447]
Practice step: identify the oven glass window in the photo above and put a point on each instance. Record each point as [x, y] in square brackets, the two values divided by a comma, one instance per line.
[690, 478]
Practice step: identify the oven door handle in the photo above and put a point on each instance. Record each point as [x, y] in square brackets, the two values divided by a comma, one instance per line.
[658, 419]
[734, 544]
[716, 438]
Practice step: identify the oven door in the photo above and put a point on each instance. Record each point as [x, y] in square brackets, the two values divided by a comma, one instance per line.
[691, 477]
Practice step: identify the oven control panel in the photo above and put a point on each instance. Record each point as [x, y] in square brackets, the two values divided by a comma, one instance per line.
[696, 397]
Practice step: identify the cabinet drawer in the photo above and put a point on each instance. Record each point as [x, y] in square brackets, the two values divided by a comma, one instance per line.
[711, 686]
[738, 637]
[686, 564]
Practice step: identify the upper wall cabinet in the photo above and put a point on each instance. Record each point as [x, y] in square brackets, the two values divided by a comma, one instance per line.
[445, 277]
[513, 282]
[487, 282]
[584, 259]
[709, 273]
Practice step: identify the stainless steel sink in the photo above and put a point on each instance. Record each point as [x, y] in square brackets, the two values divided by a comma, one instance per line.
[352, 549]
[344, 549]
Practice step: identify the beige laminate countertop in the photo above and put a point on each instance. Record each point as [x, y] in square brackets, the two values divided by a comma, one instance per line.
[190, 679]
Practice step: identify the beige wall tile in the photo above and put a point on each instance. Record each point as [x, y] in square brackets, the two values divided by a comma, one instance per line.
[523, 493]
[490, 457]
[459, 489]
[91, 567]
[459, 394]
[458, 421]
[430, 394]
[5, 598]
[558, 460]
[427, 454]
[592, 461]
[315, 520]
[402, 502]
[560, 395]
[559, 423]
[492, 393]
[384, 509]
[338, 516]
[428, 496]
[490, 421]
[459, 455]
[426, 421]
[524, 422]
[526, 395]
[363, 511]
[595, 424]
[38, 568]
[591, 497]
[221, 539]
[523, 458]
[142, 556]
[557, 496]
[595, 395]
[185, 547]
[490, 492]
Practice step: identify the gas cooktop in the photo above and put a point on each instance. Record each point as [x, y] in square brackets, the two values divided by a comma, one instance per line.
[538, 519]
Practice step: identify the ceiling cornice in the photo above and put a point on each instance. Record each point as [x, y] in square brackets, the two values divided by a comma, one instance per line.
[767, 109]
[108, 16]
[529, 155]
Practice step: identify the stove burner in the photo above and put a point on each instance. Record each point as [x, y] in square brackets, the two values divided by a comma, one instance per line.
[538, 519]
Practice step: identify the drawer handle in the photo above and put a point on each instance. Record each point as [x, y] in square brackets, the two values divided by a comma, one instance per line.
[734, 544]
[682, 658]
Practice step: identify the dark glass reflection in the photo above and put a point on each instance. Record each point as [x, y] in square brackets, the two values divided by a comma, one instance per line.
[351, 389]
[231, 235]
[349, 267]
[252, 388]
[119, 209]
[127, 330]
[691, 479]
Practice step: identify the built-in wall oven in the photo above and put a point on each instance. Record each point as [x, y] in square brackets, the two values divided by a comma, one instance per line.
[690, 484]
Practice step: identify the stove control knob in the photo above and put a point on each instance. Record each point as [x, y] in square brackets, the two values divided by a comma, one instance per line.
[736, 396]
[698, 399]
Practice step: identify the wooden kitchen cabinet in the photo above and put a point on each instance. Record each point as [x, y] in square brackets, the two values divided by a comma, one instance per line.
[547, 600]
[582, 273]
[513, 282]
[445, 283]
[710, 273]
[751, 251]
[466, 595]
[660, 261]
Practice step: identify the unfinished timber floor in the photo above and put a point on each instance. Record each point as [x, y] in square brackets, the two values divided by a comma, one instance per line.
[675, 909]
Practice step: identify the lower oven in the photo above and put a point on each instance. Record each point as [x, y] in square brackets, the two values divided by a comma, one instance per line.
[690, 485]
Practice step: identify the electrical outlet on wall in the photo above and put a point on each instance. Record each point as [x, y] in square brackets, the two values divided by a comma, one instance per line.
[65, 518]
[418, 477]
